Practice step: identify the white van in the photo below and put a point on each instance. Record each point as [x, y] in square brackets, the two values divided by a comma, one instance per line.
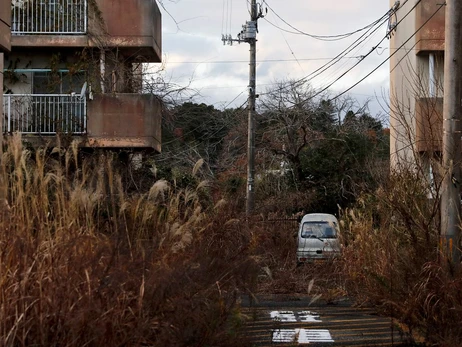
[317, 238]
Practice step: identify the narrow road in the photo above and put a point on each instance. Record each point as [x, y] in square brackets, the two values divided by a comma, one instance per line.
[276, 322]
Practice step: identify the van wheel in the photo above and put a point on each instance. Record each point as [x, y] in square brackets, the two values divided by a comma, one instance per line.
[299, 263]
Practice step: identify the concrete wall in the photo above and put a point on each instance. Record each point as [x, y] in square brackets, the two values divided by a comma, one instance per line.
[131, 25]
[124, 120]
[130, 30]
[430, 14]
[410, 79]
[403, 67]
[5, 46]
[5, 24]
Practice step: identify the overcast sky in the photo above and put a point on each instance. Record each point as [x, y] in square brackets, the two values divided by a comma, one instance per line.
[194, 53]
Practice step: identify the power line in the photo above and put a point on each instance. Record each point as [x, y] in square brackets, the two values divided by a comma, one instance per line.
[391, 55]
[230, 15]
[291, 50]
[318, 37]
[229, 103]
[386, 17]
[274, 60]
[223, 19]
[342, 54]
[370, 52]
[359, 46]
[258, 61]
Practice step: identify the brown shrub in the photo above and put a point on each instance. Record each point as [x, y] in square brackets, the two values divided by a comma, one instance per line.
[83, 263]
[391, 259]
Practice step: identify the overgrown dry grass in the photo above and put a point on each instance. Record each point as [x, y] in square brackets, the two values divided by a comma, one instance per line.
[82, 263]
[392, 260]
[274, 245]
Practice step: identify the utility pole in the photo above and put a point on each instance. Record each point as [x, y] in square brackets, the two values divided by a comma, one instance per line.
[450, 196]
[249, 35]
[250, 201]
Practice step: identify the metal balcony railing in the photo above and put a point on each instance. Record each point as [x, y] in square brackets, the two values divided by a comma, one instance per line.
[56, 17]
[45, 114]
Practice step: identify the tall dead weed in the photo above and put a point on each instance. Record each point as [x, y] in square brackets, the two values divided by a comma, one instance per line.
[82, 262]
[392, 260]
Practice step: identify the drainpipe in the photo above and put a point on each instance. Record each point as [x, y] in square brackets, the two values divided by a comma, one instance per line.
[431, 76]
[431, 94]
[102, 68]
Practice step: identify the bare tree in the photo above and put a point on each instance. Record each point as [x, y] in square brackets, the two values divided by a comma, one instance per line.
[291, 118]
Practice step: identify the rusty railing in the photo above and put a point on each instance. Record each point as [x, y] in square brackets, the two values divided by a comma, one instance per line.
[56, 17]
[45, 114]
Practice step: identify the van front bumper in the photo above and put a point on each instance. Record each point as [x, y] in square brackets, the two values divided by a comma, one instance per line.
[311, 256]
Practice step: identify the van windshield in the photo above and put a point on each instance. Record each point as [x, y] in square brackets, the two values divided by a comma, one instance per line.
[323, 230]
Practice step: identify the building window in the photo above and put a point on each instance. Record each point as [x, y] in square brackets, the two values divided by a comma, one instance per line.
[57, 82]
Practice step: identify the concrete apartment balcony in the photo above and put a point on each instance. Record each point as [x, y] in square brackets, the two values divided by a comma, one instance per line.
[131, 25]
[429, 124]
[431, 37]
[134, 25]
[124, 121]
[107, 121]
[5, 24]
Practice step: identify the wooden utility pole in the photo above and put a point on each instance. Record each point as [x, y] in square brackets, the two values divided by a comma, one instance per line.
[450, 197]
[249, 35]
[251, 127]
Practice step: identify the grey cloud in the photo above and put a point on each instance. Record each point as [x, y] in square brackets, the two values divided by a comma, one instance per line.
[201, 28]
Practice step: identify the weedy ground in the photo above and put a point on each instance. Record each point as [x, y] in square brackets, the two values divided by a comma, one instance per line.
[391, 259]
[85, 262]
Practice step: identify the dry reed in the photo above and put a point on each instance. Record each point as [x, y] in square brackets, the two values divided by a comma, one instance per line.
[84, 263]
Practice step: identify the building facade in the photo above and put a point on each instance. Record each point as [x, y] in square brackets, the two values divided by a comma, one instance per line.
[75, 71]
[416, 83]
[5, 46]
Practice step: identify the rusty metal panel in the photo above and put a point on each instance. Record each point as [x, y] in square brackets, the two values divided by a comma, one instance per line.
[5, 26]
[431, 36]
[429, 124]
[124, 120]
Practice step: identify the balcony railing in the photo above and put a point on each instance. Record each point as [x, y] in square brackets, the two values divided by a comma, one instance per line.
[45, 114]
[57, 17]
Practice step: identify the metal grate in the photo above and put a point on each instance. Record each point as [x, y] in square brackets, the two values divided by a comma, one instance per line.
[45, 114]
[67, 17]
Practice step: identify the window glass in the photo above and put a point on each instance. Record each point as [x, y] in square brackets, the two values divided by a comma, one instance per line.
[57, 83]
[318, 230]
[72, 83]
[43, 84]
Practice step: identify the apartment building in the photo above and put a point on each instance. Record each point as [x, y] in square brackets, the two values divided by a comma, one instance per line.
[416, 82]
[5, 44]
[75, 71]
